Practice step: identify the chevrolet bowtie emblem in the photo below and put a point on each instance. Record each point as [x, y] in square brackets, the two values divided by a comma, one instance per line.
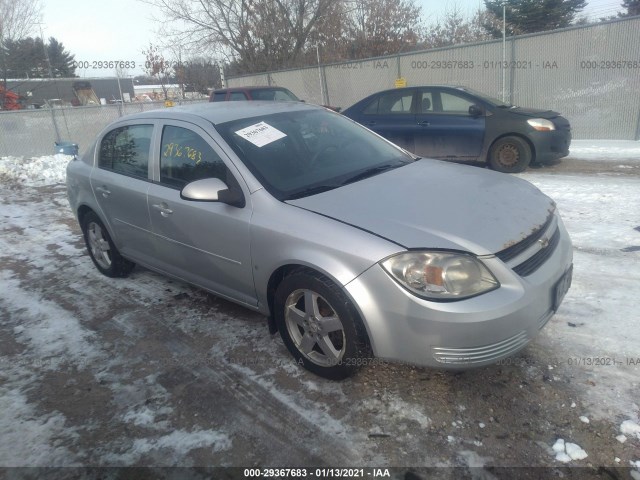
[544, 242]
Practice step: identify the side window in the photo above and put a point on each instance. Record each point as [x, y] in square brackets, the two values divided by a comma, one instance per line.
[185, 156]
[125, 150]
[454, 104]
[237, 96]
[395, 102]
[219, 96]
[426, 102]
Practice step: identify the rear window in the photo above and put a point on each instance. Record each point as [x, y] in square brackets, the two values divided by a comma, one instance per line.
[274, 95]
[219, 96]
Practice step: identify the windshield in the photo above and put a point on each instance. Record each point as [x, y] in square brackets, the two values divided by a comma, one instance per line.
[296, 154]
[277, 94]
[486, 98]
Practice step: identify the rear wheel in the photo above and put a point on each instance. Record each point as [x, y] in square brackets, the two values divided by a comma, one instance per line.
[102, 250]
[319, 325]
[510, 155]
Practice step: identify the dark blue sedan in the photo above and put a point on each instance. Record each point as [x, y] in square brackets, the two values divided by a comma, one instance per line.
[456, 123]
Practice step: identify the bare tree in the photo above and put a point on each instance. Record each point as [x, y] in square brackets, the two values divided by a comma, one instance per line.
[257, 34]
[382, 27]
[157, 67]
[455, 28]
[17, 20]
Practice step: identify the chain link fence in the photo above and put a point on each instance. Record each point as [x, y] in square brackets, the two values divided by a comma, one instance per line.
[591, 74]
[34, 132]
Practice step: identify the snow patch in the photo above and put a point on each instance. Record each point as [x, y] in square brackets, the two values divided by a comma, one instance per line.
[178, 442]
[630, 428]
[28, 439]
[605, 150]
[566, 451]
[47, 170]
[53, 332]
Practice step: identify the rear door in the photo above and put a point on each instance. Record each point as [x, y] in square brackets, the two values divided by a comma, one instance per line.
[391, 115]
[446, 130]
[206, 243]
[120, 181]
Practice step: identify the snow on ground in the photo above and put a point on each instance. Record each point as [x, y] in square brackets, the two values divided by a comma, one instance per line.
[598, 319]
[47, 170]
[605, 150]
[597, 323]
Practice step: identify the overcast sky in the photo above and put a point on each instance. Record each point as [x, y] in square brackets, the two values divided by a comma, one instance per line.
[121, 29]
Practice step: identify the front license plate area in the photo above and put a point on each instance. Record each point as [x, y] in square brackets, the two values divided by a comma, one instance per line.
[562, 287]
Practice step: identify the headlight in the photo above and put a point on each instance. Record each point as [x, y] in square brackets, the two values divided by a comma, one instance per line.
[440, 276]
[541, 124]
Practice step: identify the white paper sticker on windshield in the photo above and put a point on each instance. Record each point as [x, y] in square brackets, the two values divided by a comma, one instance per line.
[261, 134]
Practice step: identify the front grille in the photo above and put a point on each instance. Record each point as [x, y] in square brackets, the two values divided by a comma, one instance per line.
[487, 353]
[534, 262]
[514, 250]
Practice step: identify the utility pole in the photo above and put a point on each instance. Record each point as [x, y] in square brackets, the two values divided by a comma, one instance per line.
[504, 52]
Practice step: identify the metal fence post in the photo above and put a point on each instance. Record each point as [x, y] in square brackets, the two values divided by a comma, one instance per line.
[55, 125]
[324, 83]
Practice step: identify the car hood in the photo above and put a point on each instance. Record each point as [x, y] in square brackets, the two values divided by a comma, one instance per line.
[534, 112]
[433, 204]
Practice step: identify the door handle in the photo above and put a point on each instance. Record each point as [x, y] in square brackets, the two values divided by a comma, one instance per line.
[424, 124]
[104, 191]
[163, 208]
[371, 124]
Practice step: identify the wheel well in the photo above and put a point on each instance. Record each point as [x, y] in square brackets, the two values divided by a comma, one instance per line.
[519, 135]
[276, 277]
[82, 211]
[284, 271]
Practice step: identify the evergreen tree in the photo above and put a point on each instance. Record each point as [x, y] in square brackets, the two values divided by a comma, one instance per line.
[632, 7]
[529, 16]
[26, 58]
[62, 62]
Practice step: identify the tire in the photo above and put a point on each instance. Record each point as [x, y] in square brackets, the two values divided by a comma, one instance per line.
[510, 155]
[103, 252]
[331, 340]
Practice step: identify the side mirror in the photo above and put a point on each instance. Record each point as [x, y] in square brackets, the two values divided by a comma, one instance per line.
[212, 190]
[476, 111]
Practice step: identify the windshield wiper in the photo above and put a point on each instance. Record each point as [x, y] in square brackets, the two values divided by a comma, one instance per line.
[307, 192]
[371, 172]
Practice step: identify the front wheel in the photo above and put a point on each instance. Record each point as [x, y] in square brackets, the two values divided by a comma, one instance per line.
[510, 155]
[319, 325]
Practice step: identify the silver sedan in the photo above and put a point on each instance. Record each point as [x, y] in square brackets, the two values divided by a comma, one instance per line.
[353, 248]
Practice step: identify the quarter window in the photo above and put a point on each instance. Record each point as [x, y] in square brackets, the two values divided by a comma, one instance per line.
[125, 150]
[185, 157]
[454, 104]
[237, 96]
[219, 96]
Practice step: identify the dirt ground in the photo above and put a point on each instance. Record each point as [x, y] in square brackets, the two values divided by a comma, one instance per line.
[148, 371]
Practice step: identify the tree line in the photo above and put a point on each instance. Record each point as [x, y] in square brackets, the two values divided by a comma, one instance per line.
[262, 35]
[251, 36]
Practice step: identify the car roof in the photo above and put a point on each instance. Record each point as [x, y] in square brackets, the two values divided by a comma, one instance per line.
[240, 89]
[457, 87]
[221, 112]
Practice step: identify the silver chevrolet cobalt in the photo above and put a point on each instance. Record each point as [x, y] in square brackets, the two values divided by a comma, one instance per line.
[353, 248]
